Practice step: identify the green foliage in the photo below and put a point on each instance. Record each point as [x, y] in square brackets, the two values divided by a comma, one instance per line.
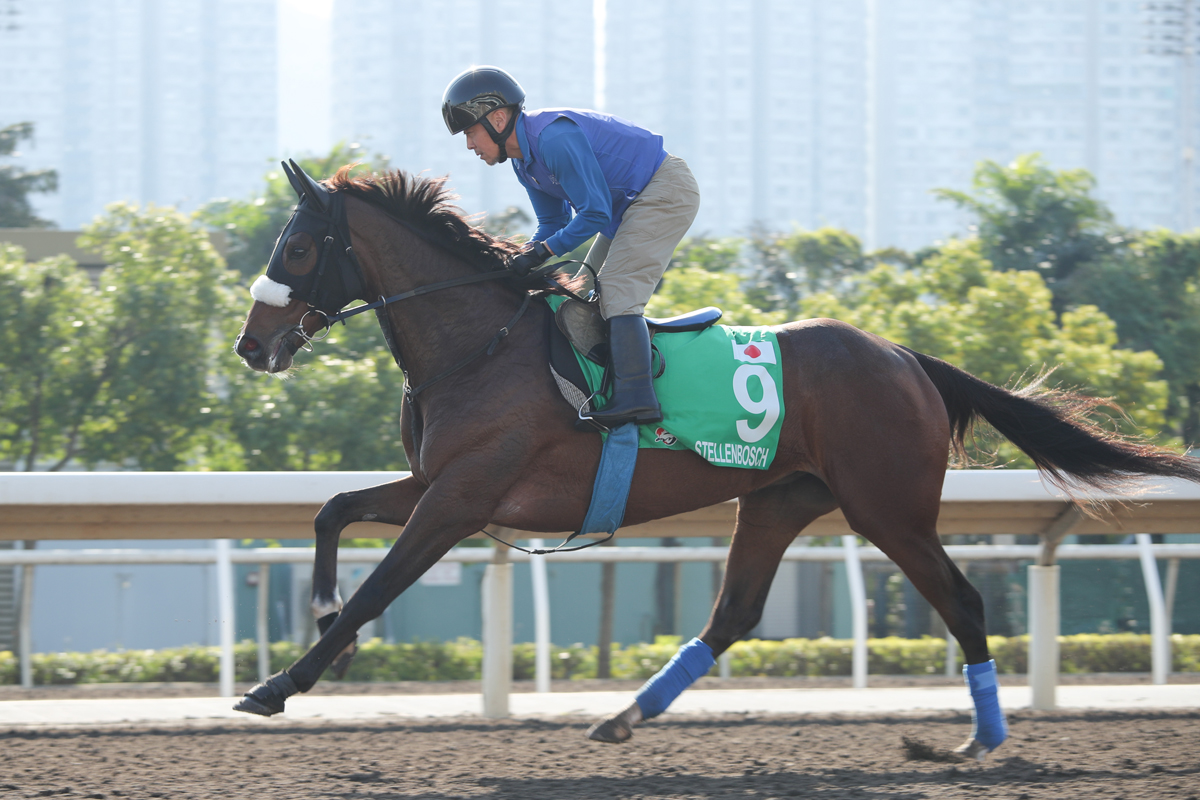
[998, 326]
[16, 185]
[137, 369]
[462, 659]
[163, 291]
[1152, 292]
[787, 267]
[339, 409]
[417, 661]
[687, 287]
[115, 371]
[706, 272]
[711, 254]
[46, 343]
[1032, 217]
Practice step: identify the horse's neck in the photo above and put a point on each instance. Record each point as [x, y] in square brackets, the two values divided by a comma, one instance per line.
[434, 331]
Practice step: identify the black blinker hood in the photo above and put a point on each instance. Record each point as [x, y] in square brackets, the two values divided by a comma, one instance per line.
[332, 283]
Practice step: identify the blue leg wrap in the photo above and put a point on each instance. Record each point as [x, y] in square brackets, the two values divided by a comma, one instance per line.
[692, 661]
[990, 726]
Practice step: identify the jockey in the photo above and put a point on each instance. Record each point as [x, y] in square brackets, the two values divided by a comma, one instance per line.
[624, 188]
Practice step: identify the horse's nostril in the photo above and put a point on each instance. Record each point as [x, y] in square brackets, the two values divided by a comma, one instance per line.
[247, 345]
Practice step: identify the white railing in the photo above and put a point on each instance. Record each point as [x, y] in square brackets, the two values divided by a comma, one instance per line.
[497, 597]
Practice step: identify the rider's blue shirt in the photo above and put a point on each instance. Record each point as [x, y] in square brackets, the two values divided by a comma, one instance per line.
[593, 163]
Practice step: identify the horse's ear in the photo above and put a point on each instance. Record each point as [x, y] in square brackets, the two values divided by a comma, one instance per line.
[317, 193]
[295, 180]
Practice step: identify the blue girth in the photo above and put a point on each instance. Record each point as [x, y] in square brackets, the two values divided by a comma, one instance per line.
[610, 492]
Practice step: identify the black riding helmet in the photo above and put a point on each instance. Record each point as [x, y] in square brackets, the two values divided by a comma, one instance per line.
[475, 93]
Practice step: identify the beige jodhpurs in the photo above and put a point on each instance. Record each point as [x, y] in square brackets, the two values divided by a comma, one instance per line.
[630, 265]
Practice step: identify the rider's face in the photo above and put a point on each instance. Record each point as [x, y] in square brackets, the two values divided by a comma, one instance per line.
[480, 143]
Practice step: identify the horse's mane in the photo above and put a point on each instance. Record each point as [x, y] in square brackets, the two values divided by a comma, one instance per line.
[427, 204]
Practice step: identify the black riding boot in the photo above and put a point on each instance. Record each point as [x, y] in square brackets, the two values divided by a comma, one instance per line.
[633, 398]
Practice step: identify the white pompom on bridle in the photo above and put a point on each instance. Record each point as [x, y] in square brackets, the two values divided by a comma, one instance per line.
[273, 293]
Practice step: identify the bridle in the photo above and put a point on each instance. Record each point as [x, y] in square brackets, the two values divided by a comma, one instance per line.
[335, 288]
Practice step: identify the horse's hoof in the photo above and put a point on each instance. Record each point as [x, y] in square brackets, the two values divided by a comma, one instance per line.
[252, 706]
[611, 731]
[972, 748]
[341, 664]
[267, 698]
[617, 728]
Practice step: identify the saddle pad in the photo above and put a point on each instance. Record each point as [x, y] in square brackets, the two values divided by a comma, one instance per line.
[721, 394]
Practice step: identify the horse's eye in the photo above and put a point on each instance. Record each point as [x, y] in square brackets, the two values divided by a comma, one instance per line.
[298, 252]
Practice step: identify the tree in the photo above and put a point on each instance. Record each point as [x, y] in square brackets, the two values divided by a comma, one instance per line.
[502, 224]
[340, 410]
[46, 311]
[1152, 292]
[1000, 326]
[252, 226]
[788, 267]
[713, 255]
[115, 372]
[707, 272]
[16, 185]
[1032, 217]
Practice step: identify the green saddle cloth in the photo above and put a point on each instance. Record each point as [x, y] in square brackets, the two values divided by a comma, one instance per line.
[721, 394]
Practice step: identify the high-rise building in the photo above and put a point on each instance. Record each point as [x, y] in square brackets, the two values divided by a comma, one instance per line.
[392, 60]
[799, 112]
[951, 82]
[164, 101]
[763, 98]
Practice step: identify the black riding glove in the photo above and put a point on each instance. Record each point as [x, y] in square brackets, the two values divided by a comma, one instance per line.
[528, 260]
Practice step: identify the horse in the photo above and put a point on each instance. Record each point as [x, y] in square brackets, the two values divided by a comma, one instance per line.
[490, 440]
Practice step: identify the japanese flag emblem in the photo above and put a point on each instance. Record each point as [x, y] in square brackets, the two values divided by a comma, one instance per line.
[755, 352]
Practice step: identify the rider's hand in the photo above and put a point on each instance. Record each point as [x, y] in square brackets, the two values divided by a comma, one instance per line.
[530, 259]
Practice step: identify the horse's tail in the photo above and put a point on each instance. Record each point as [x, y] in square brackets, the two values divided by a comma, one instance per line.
[1052, 428]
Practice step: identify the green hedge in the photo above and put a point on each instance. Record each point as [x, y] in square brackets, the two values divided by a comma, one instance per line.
[461, 659]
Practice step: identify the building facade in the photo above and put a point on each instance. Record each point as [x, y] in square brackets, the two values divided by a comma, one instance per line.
[952, 82]
[392, 60]
[152, 101]
[763, 98]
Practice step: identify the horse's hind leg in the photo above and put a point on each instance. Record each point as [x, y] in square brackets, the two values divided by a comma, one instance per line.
[900, 517]
[389, 503]
[767, 522]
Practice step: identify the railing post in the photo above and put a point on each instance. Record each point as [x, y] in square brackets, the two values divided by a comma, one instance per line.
[951, 655]
[1160, 632]
[261, 629]
[225, 619]
[1169, 592]
[858, 610]
[541, 618]
[25, 627]
[1044, 617]
[1043, 635]
[497, 633]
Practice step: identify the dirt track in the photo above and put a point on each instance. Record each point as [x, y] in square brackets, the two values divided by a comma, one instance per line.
[1059, 756]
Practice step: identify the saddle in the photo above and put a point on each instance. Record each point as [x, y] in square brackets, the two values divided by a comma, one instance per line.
[579, 325]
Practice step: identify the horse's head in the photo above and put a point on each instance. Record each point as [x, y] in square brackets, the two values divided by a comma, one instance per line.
[312, 273]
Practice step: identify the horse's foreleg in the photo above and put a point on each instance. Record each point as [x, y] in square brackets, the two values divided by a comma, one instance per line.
[436, 525]
[768, 521]
[389, 503]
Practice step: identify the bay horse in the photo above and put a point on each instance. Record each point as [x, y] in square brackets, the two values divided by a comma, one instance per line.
[490, 440]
